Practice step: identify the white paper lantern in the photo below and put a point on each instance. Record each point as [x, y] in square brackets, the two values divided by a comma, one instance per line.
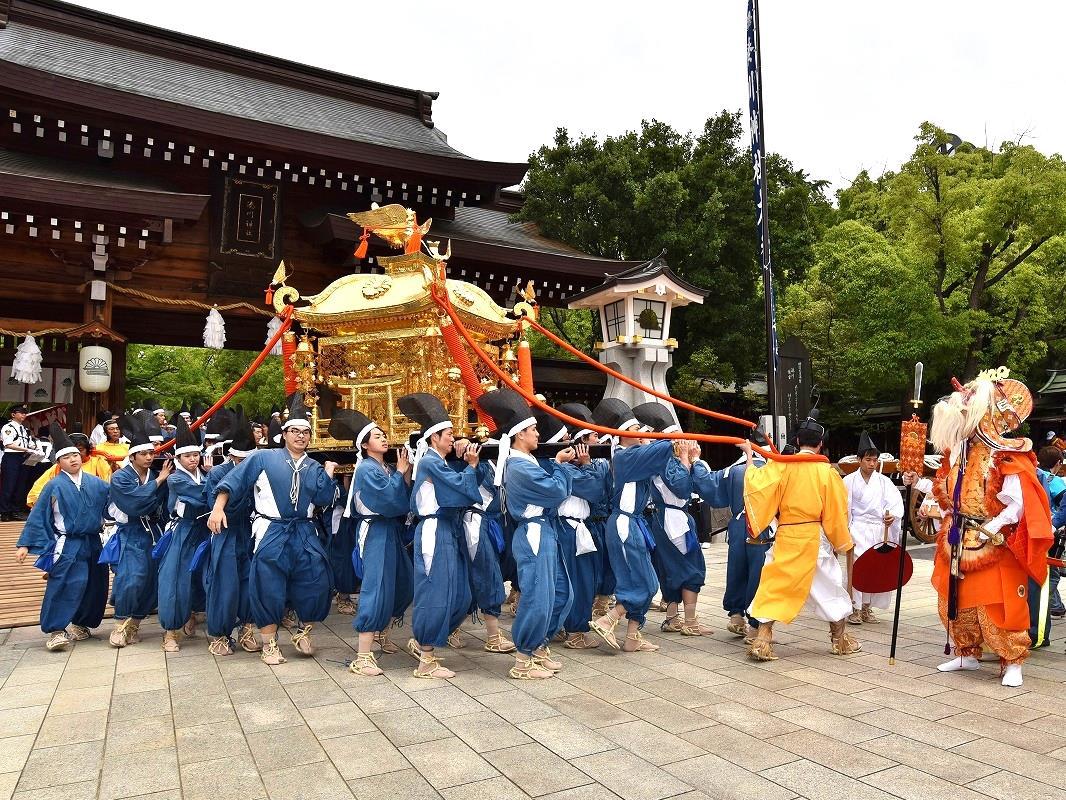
[94, 368]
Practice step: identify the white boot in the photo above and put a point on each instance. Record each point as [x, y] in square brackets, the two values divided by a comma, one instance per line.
[960, 663]
[1012, 675]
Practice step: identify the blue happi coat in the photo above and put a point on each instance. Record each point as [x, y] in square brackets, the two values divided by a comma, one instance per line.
[533, 498]
[139, 511]
[483, 543]
[719, 489]
[341, 547]
[377, 508]
[226, 570]
[290, 567]
[584, 511]
[181, 588]
[678, 557]
[442, 594]
[66, 522]
[629, 541]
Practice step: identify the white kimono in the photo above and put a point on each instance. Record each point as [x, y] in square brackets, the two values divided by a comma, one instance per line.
[867, 503]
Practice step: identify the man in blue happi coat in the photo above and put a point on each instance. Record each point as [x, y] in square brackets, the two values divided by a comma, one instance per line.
[289, 563]
[64, 529]
[442, 595]
[229, 557]
[533, 497]
[138, 502]
[629, 541]
[744, 562]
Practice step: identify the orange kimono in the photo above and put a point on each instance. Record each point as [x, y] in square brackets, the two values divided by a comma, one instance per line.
[807, 498]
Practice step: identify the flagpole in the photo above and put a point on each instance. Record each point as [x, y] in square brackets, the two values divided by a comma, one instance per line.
[758, 157]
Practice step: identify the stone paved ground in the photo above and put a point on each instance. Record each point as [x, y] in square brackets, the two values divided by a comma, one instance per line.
[695, 720]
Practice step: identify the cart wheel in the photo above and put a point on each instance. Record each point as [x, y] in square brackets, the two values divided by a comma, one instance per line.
[924, 529]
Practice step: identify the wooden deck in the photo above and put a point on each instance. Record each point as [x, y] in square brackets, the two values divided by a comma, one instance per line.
[21, 585]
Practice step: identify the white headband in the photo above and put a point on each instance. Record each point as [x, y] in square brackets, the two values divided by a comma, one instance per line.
[359, 441]
[66, 451]
[189, 448]
[140, 448]
[505, 448]
[296, 422]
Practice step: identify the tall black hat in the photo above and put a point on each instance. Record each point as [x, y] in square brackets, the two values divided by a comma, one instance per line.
[350, 425]
[657, 417]
[242, 443]
[578, 411]
[512, 415]
[866, 445]
[297, 412]
[552, 429]
[184, 410]
[274, 410]
[812, 423]
[133, 428]
[185, 441]
[61, 444]
[614, 413]
[102, 416]
[197, 411]
[425, 410]
[274, 432]
[219, 426]
[151, 425]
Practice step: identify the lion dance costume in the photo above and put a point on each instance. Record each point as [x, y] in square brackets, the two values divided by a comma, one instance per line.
[996, 524]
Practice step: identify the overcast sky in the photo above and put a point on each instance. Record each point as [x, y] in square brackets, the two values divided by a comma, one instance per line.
[846, 82]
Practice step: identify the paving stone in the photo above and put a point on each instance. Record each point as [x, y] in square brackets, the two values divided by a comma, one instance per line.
[1008, 757]
[78, 760]
[86, 678]
[1005, 732]
[142, 705]
[829, 724]
[285, 747]
[566, 737]
[266, 716]
[21, 721]
[88, 726]
[680, 693]
[409, 726]
[86, 790]
[590, 711]
[14, 752]
[377, 697]
[592, 791]
[815, 782]
[231, 778]
[8, 781]
[925, 707]
[608, 688]
[339, 719]
[27, 696]
[670, 717]
[203, 711]
[363, 754]
[151, 771]
[747, 720]
[912, 784]
[724, 778]
[75, 701]
[142, 681]
[936, 761]
[727, 742]
[536, 770]
[447, 701]
[309, 694]
[828, 680]
[651, 743]
[486, 731]
[999, 709]
[448, 762]
[517, 706]
[138, 735]
[210, 741]
[307, 782]
[492, 789]
[631, 777]
[1007, 786]
[832, 753]
[27, 674]
[405, 783]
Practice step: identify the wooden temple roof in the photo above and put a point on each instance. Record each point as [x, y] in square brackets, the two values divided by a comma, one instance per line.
[35, 178]
[73, 55]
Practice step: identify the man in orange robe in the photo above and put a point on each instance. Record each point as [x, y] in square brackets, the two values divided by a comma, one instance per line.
[810, 504]
[996, 526]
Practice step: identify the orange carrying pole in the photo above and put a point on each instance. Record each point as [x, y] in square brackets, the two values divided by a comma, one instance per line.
[525, 366]
[473, 386]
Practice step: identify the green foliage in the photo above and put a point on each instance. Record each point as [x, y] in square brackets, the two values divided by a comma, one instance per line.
[175, 375]
[983, 230]
[633, 196]
[578, 327]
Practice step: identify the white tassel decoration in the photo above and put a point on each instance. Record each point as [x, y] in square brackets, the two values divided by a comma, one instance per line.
[215, 330]
[272, 328]
[26, 367]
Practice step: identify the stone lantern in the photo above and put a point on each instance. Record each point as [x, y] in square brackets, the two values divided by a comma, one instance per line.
[634, 308]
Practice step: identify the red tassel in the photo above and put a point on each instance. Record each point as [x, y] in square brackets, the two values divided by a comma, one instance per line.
[270, 295]
[414, 244]
[364, 243]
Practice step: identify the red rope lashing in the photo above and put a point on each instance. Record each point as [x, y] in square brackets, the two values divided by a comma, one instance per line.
[466, 369]
[530, 398]
[364, 243]
[288, 350]
[286, 322]
[625, 379]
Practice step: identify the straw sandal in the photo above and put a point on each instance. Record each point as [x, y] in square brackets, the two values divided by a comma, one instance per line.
[529, 670]
[854, 618]
[579, 641]
[248, 638]
[78, 633]
[455, 639]
[841, 644]
[436, 669]
[606, 632]
[382, 640]
[124, 633]
[221, 646]
[289, 620]
[642, 646]
[271, 653]
[543, 657]
[510, 605]
[170, 641]
[345, 605]
[867, 616]
[189, 628]
[601, 605]
[57, 641]
[761, 650]
[413, 648]
[365, 664]
[672, 624]
[498, 643]
[738, 626]
[693, 628]
[301, 640]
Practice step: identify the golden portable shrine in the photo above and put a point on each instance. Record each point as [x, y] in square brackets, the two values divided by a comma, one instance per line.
[370, 338]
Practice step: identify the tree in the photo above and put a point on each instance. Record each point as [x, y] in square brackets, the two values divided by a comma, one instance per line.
[172, 376]
[866, 316]
[983, 229]
[633, 196]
